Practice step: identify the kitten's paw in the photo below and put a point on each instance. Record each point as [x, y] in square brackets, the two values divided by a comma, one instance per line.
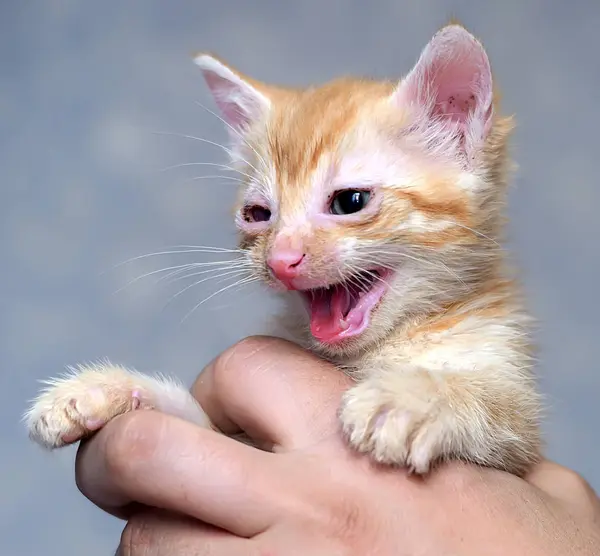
[74, 406]
[401, 426]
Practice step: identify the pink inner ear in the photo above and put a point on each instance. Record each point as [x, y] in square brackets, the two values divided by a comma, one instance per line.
[228, 96]
[457, 91]
[453, 80]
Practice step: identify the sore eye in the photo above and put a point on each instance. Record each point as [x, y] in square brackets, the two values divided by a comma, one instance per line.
[349, 201]
[256, 213]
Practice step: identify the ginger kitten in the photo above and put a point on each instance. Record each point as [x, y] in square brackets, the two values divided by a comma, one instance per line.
[379, 206]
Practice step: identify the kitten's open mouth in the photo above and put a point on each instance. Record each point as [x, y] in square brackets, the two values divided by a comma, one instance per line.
[343, 310]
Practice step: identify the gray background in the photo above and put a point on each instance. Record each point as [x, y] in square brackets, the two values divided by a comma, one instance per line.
[83, 87]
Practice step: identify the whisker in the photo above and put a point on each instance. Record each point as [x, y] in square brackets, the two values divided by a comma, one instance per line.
[377, 263]
[184, 249]
[239, 261]
[209, 271]
[228, 273]
[240, 283]
[165, 277]
[471, 230]
[438, 264]
[214, 164]
[362, 282]
[193, 137]
[178, 269]
[380, 279]
[355, 275]
[352, 275]
[441, 266]
[228, 304]
[147, 274]
[230, 178]
[211, 249]
[220, 249]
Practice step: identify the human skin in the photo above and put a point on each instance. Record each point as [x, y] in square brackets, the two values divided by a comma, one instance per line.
[186, 490]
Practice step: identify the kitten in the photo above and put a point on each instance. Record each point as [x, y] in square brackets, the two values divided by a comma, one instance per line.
[379, 205]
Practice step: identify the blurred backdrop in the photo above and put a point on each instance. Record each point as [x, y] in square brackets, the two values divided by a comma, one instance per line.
[84, 89]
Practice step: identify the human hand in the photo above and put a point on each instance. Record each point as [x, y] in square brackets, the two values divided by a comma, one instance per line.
[313, 495]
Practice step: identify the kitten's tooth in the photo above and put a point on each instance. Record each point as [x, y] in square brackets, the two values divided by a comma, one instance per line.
[343, 324]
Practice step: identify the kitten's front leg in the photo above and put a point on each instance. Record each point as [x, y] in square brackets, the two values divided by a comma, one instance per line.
[74, 406]
[414, 417]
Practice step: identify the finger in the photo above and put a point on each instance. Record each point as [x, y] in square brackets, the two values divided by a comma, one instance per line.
[159, 533]
[565, 485]
[164, 462]
[273, 390]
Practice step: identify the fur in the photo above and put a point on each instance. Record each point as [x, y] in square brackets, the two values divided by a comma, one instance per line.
[444, 369]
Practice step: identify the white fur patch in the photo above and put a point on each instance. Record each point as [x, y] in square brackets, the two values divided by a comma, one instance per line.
[419, 222]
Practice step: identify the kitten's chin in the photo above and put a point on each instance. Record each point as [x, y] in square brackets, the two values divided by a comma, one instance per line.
[340, 313]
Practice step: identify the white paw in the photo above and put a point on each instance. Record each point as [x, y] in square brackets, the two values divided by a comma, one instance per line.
[74, 406]
[409, 426]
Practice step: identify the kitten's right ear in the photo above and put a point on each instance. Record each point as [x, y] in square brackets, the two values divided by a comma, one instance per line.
[239, 100]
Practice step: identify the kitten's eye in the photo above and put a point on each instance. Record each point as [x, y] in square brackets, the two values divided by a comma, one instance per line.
[256, 213]
[349, 201]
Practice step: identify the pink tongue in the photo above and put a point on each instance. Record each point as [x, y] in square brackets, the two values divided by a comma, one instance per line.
[327, 314]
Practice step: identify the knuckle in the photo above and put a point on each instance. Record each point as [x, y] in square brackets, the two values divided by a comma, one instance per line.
[236, 360]
[250, 344]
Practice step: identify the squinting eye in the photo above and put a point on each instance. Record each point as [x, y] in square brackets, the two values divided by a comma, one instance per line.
[349, 201]
[256, 213]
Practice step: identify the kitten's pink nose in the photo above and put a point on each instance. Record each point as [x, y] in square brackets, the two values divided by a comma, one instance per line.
[285, 263]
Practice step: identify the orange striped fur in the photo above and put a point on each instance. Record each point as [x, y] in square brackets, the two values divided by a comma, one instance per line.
[443, 368]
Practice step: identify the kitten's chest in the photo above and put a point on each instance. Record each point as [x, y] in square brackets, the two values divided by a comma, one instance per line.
[483, 345]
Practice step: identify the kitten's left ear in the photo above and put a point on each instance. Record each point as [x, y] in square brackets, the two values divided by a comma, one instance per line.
[451, 85]
[239, 99]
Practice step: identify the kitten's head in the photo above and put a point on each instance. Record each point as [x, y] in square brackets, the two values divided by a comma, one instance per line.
[373, 201]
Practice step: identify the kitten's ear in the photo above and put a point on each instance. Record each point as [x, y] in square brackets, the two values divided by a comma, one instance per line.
[451, 84]
[239, 100]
